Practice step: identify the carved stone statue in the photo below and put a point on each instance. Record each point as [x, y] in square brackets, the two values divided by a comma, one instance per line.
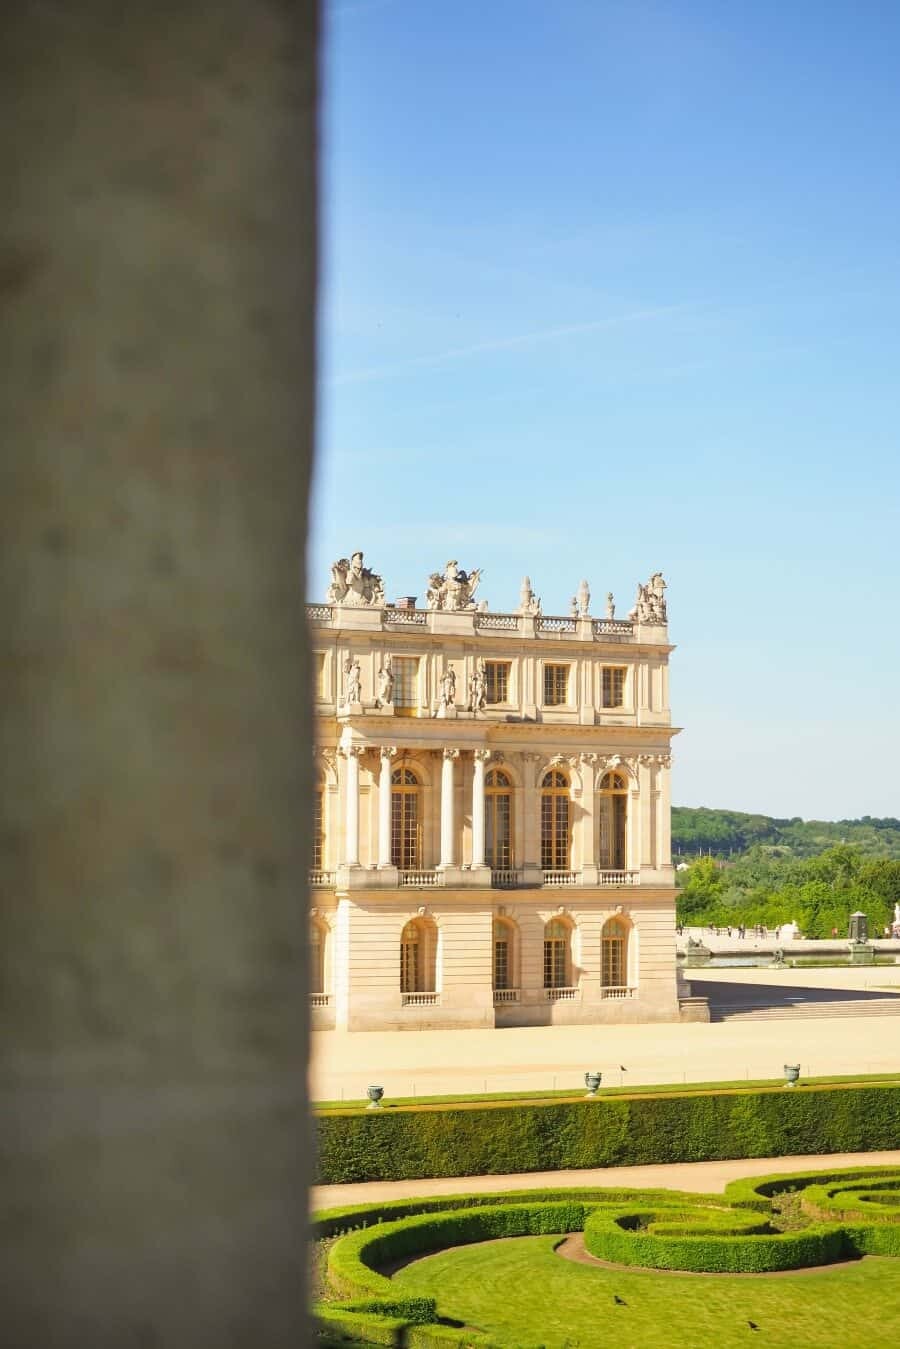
[584, 599]
[528, 600]
[478, 687]
[454, 590]
[610, 605]
[650, 605]
[448, 687]
[354, 585]
[385, 684]
[352, 681]
[573, 606]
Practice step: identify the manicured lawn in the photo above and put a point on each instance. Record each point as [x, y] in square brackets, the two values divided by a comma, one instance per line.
[521, 1292]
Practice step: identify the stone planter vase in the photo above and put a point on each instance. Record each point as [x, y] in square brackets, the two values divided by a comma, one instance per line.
[791, 1074]
[374, 1094]
[592, 1082]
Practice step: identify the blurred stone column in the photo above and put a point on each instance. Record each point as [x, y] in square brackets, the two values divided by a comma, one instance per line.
[157, 292]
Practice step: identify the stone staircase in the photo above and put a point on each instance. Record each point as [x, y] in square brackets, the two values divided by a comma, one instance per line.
[739, 1002]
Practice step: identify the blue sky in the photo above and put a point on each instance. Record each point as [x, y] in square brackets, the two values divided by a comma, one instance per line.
[609, 288]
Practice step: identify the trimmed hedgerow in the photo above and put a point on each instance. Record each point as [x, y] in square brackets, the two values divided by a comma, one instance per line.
[352, 1217]
[406, 1143]
[614, 1238]
[757, 1191]
[362, 1326]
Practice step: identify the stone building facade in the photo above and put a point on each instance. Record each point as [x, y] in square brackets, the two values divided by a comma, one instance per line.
[493, 809]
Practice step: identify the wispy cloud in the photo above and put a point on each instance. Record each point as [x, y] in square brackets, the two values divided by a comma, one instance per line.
[505, 344]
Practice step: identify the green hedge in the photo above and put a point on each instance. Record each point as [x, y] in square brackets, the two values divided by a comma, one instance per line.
[611, 1237]
[409, 1143]
[757, 1191]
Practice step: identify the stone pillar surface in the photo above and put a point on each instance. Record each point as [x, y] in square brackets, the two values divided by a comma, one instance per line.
[481, 757]
[351, 755]
[384, 807]
[447, 821]
[157, 300]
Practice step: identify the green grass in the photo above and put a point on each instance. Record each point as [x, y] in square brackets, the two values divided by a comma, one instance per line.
[519, 1291]
[568, 1094]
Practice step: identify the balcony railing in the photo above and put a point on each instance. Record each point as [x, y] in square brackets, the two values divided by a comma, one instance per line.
[549, 624]
[613, 627]
[420, 999]
[318, 613]
[559, 878]
[618, 991]
[422, 880]
[560, 994]
[506, 995]
[507, 622]
[618, 878]
[321, 880]
[412, 617]
[505, 878]
[319, 999]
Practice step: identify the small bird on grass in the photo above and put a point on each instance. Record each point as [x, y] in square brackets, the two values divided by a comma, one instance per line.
[619, 1301]
[753, 1325]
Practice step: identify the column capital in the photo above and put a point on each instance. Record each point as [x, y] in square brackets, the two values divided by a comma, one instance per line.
[481, 755]
[352, 751]
[450, 754]
[387, 751]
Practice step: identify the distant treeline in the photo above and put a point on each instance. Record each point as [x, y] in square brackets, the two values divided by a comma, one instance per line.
[728, 833]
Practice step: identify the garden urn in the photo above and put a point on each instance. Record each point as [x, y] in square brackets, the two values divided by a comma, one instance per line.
[592, 1082]
[374, 1094]
[791, 1073]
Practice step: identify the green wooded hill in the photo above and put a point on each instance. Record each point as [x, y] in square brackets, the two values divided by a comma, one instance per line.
[728, 833]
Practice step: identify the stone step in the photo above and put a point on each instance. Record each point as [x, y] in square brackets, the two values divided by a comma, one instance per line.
[782, 1012]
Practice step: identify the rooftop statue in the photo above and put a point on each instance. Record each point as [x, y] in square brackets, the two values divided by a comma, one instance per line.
[454, 590]
[528, 600]
[650, 605]
[354, 585]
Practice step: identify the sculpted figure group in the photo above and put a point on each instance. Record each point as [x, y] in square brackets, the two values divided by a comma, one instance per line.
[650, 605]
[454, 590]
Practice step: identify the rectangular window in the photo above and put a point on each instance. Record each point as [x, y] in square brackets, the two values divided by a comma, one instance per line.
[406, 685]
[501, 964]
[614, 685]
[556, 685]
[497, 681]
[555, 963]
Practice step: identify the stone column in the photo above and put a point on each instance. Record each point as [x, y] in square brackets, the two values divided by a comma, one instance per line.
[589, 869]
[448, 838]
[351, 755]
[480, 758]
[387, 753]
[158, 268]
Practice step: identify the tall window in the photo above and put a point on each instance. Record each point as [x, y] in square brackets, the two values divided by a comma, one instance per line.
[316, 957]
[418, 946]
[410, 959]
[614, 954]
[556, 685]
[406, 685]
[614, 685]
[496, 673]
[406, 829]
[498, 820]
[503, 954]
[555, 821]
[613, 819]
[318, 848]
[556, 955]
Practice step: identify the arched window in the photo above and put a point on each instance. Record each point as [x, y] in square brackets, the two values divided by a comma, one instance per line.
[318, 848]
[317, 936]
[504, 954]
[557, 954]
[418, 946]
[613, 820]
[614, 950]
[555, 826]
[406, 827]
[498, 822]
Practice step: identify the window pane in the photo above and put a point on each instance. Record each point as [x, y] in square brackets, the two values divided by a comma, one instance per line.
[497, 681]
[614, 686]
[555, 682]
[406, 679]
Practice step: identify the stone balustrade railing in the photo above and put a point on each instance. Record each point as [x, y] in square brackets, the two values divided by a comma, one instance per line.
[603, 629]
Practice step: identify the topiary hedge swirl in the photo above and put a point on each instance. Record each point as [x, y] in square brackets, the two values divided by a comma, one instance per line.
[407, 1143]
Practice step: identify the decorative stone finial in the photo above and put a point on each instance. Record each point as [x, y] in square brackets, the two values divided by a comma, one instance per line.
[584, 599]
[528, 600]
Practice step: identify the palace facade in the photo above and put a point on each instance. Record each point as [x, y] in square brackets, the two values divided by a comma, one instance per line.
[492, 810]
